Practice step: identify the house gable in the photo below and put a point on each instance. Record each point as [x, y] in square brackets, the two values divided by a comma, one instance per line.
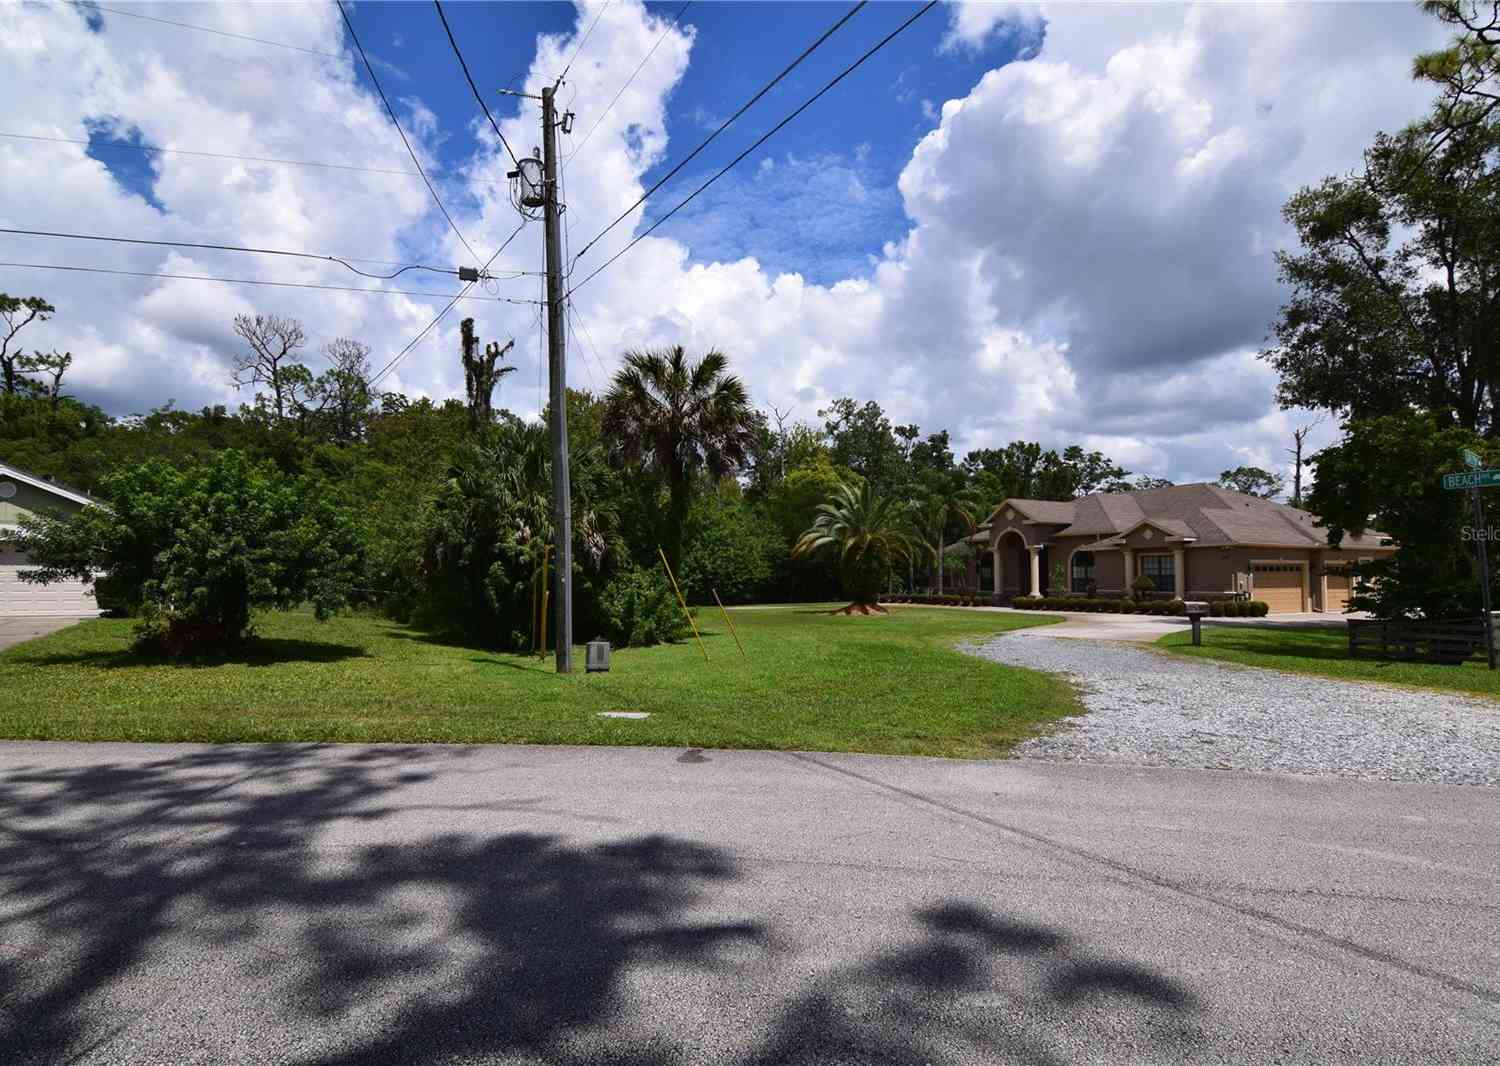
[23, 495]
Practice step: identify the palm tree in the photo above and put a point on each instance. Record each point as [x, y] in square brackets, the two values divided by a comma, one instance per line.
[678, 419]
[930, 520]
[868, 533]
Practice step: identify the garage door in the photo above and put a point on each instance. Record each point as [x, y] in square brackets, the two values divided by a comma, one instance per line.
[1338, 591]
[1280, 585]
[17, 597]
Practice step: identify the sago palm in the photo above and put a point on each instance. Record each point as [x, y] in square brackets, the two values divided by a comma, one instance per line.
[866, 533]
[677, 419]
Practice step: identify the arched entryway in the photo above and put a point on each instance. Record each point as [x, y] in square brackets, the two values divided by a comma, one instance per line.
[1015, 564]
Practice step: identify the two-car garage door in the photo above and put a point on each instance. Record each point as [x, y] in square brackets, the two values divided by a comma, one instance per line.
[1281, 585]
[17, 597]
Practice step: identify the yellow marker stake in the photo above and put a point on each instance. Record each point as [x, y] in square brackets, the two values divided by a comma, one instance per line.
[730, 624]
[683, 602]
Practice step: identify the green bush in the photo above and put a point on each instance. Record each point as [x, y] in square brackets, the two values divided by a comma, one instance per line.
[637, 608]
[1142, 586]
[1258, 608]
[732, 548]
[197, 549]
[1027, 603]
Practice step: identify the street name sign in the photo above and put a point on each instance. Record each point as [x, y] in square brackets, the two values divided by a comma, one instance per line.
[1472, 479]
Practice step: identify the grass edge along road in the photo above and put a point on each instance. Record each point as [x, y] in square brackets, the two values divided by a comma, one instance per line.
[812, 681]
[1324, 652]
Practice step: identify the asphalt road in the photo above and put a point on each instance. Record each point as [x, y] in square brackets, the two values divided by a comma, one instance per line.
[185, 904]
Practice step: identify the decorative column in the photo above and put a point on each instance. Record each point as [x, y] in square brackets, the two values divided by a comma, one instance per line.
[1036, 568]
[1129, 568]
[1179, 571]
[995, 551]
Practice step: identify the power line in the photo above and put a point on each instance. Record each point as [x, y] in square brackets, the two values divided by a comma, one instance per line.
[483, 106]
[207, 29]
[628, 82]
[397, 123]
[577, 322]
[760, 141]
[462, 294]
[569, 66]
[231, 248]
[127, 146]
[723, 126]
[209, 155]
[256, 281]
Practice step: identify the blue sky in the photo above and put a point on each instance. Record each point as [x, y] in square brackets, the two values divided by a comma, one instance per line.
[865, 128]
[1080, 249]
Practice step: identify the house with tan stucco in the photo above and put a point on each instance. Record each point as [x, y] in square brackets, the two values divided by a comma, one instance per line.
[1197, 542]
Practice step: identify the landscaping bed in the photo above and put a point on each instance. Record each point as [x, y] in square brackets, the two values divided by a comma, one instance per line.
[810, 681]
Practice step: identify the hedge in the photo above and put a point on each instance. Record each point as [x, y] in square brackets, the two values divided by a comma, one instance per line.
[1217, 608]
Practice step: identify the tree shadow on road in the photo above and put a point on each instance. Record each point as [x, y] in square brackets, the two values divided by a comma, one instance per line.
[200, 877]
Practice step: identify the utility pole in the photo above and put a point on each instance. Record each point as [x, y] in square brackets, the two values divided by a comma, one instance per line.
[562, 503]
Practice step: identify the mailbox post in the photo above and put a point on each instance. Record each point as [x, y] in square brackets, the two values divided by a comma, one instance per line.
[1195, 610]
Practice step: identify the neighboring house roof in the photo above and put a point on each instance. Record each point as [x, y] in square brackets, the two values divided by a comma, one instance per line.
[1209, 514]
[37, 481]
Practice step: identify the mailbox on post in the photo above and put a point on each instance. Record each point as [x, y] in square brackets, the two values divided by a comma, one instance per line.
[1195, 610]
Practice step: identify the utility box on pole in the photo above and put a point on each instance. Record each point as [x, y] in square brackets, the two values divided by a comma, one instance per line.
[562, 504]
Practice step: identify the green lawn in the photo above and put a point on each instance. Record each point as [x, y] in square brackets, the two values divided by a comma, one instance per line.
[1326, 652]
[812, 681]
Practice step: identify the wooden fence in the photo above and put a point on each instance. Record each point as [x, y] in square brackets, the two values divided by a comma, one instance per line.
[1451, 640]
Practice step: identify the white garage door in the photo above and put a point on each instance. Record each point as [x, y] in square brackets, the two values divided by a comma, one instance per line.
[18, 597]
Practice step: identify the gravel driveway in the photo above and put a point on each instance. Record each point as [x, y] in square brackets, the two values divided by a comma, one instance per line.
[1152, 709]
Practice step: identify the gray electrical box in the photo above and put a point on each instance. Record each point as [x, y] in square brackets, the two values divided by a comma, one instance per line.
[596, 659]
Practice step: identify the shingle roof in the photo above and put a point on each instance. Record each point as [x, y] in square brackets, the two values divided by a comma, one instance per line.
[1047, 512]
[1210, 514]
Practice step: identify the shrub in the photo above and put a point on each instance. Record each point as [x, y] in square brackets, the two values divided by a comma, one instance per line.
[1258, 608]
[1142, 586]
[1216, 608]
[638, 608]
[197, 549]
[731, 548]
[1175, 606]
[1027, 603]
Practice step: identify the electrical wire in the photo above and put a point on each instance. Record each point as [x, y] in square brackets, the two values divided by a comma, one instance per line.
[462, 294]
[760, 141]
[396, 122]
[628, 82]
[256, 281]
[569, 66]
[205, 29]
[233, 248]
[723, 126]
[478, 98]
[209, 155]
[576, 320]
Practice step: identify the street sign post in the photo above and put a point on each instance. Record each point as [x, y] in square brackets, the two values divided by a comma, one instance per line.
[1474, 480]
[1471, 460]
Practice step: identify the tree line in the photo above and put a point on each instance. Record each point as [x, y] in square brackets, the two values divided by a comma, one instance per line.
[439, 512]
